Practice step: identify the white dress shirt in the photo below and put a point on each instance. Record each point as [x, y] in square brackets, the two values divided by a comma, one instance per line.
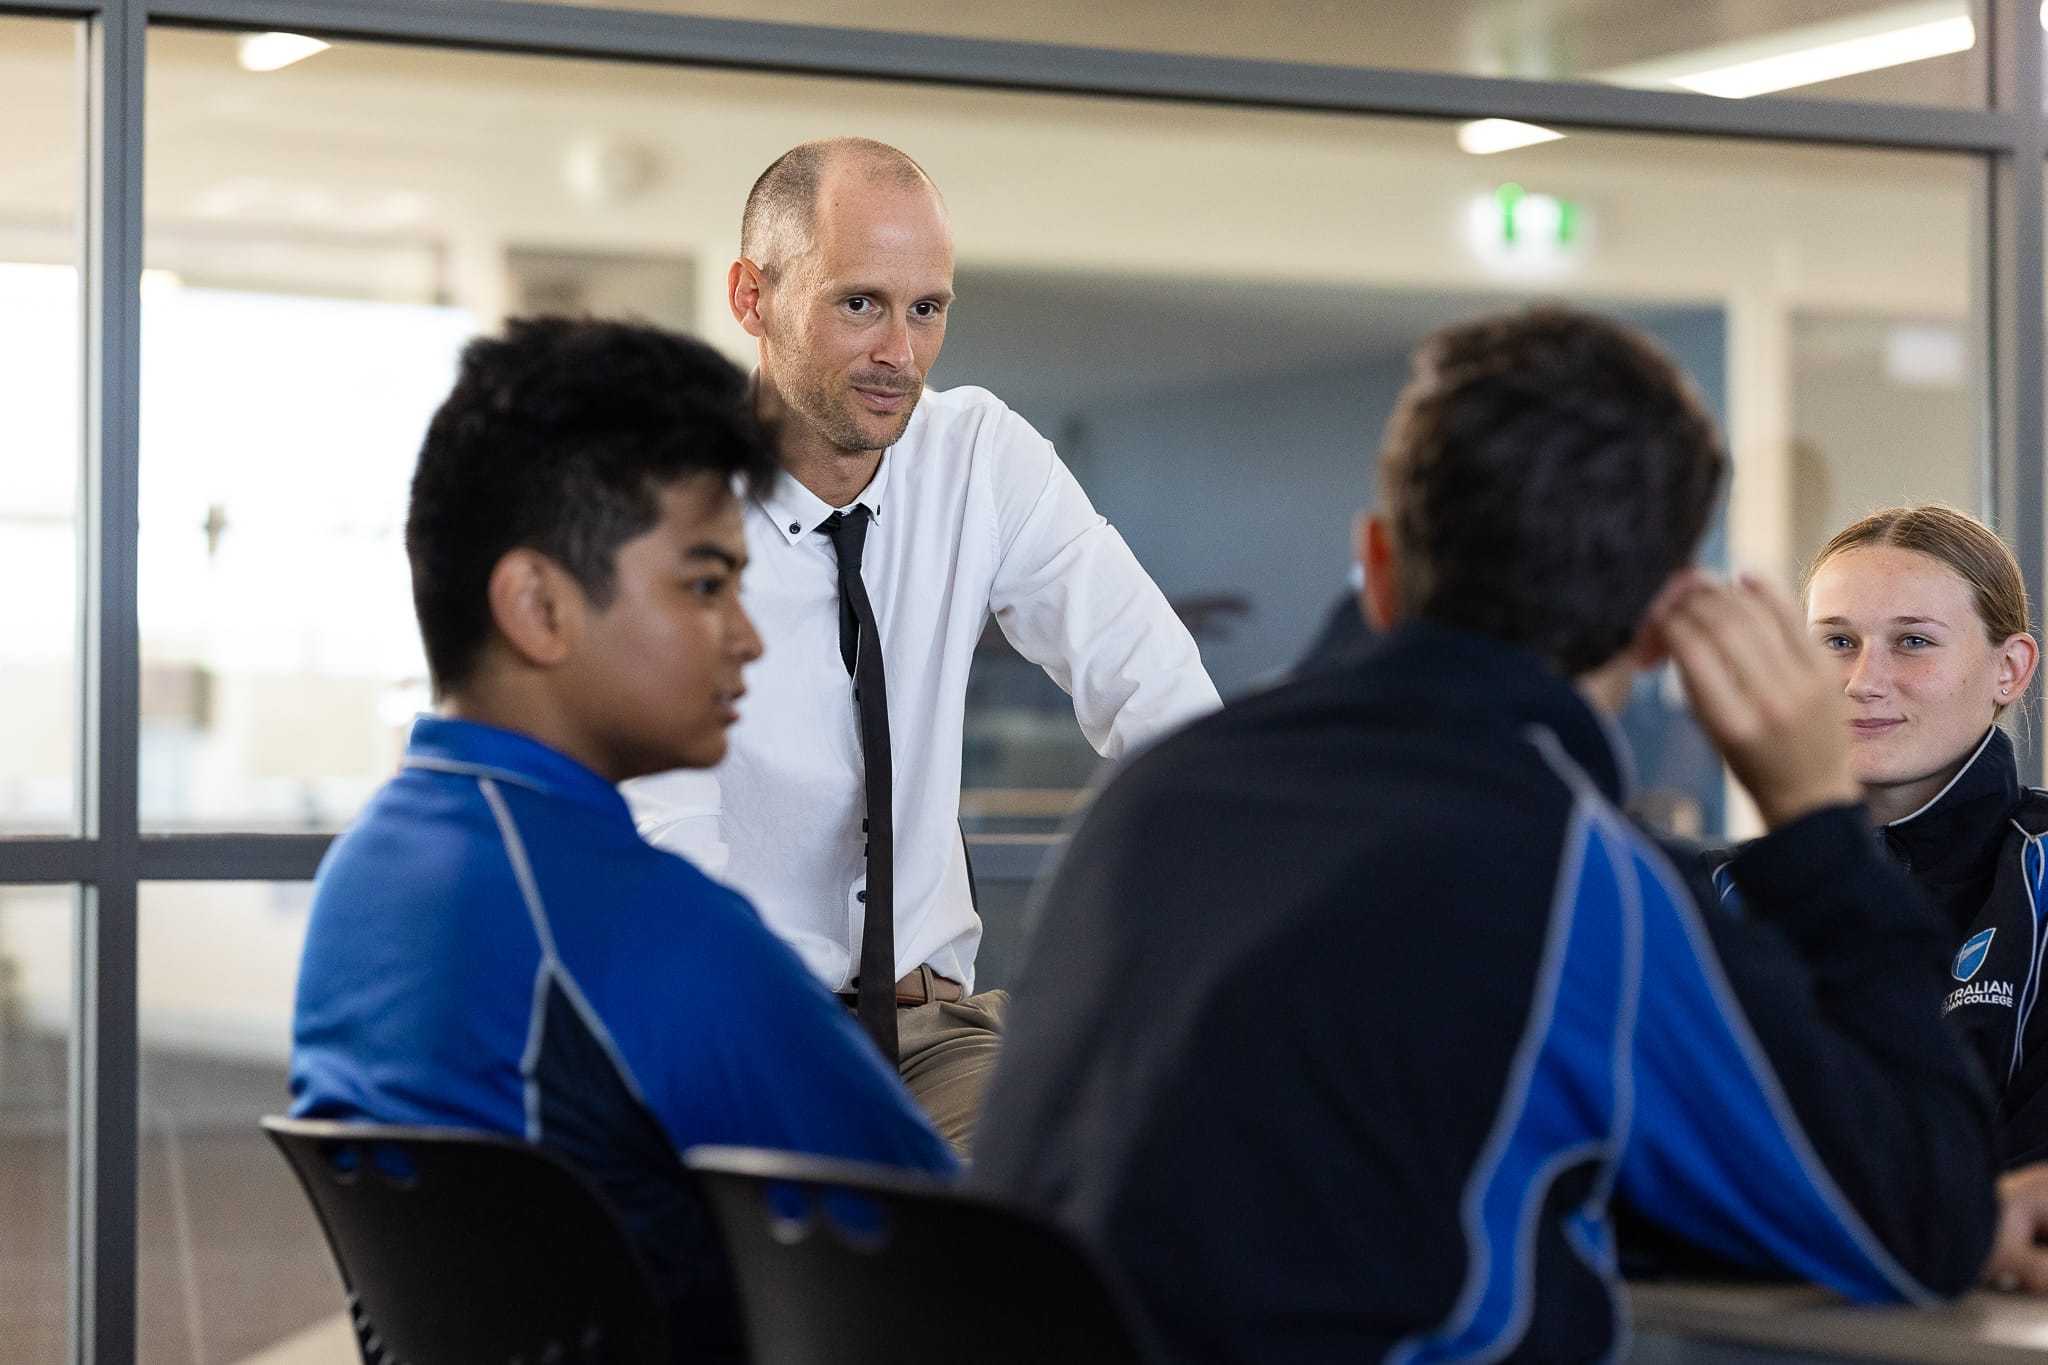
[973, 513]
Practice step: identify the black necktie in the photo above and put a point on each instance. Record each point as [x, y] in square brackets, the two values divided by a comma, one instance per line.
[860, 645]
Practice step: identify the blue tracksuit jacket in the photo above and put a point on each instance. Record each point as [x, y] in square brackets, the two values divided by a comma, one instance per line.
[493, 946]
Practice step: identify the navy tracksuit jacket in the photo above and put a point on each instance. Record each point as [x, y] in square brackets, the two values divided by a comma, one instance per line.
[1979, 851]
[1351, 1007]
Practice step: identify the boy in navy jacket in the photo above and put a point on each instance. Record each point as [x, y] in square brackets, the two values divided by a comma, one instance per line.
[1353, 1007]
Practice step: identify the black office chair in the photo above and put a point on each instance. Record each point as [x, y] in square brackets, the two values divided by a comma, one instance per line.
[843, 1263]
[463, 1248]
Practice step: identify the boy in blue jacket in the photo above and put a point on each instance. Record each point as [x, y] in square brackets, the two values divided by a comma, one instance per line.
[492, 945]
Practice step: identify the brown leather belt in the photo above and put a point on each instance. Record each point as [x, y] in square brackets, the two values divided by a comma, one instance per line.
[920, 987]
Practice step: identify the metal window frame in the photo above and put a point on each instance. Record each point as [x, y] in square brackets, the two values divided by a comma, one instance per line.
[104, 1086]
[112, 857]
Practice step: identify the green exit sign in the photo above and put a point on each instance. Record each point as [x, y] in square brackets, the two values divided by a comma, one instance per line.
[1522, 219]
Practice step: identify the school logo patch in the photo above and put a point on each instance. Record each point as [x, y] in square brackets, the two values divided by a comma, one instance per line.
[1970, 960]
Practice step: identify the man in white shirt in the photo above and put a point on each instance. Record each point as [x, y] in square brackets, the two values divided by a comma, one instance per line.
[904, 518]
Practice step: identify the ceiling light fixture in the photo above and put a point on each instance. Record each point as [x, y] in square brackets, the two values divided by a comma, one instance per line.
[275, 51]
[1811, 53]
[1484, 137]
[1787, 60]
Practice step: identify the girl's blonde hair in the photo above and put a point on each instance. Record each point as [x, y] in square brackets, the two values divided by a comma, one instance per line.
[1958, 540]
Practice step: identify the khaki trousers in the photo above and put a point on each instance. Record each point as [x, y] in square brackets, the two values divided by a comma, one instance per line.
[948, 1050]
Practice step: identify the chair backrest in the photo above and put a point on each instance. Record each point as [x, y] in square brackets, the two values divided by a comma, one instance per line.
[464, 1248]
[844, 1263]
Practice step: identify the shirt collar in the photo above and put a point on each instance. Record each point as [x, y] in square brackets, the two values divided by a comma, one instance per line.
[445, 744]
[797, 511]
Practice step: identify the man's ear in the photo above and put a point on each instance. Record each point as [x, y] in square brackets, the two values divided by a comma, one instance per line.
[1372, 542]
[1649, 648]
[744, 287]
[536, 606]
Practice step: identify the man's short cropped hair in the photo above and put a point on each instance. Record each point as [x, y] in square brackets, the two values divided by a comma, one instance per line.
[560, 437]
[1545, 472]
[782, 208]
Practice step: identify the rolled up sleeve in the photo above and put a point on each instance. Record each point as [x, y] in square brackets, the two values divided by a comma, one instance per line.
[1071, 597]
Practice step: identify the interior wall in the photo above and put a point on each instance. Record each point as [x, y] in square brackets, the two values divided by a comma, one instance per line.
[1244, 490]
[1867, 435]
[1249, 489]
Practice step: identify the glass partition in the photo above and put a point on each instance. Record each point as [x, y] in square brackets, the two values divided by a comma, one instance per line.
[36, 1001]
[39, 428]
[1207, 310]
[232, 1264]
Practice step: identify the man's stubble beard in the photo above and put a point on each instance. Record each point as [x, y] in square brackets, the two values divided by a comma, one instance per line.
[833, 412]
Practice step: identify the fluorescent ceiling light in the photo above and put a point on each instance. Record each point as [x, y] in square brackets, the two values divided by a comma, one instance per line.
[1835, 60]
[1812, 53]
[1786, 60]
[1483, 137]
[275, 51]
[1832, 61]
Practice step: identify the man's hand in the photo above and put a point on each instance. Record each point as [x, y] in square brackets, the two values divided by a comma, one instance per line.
[2019, 1260]
[1766, 695]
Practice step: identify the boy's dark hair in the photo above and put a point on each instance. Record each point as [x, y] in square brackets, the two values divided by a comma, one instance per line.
[1544, 473]
[559, 437]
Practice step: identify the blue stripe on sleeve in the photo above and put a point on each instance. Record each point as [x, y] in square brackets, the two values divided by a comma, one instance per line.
[1718, 1155]
[1567, 1102]
[1729, 895]
[2033, 868]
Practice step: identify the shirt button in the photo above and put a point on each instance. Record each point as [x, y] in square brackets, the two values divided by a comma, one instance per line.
[861, 896]
[796, 528]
